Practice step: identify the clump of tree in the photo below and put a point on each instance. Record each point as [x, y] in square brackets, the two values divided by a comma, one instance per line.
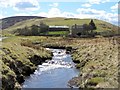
[91, 28]
[43, 28]
[26, 31]
[92, 25]
[34, 30]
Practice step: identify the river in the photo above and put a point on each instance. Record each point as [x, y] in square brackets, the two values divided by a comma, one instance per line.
[54, 73]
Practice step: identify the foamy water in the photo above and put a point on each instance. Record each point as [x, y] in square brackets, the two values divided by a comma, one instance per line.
[54, 73]
[46, 66]
[56, 62]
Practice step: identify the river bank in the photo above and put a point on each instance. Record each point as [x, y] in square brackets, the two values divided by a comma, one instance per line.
[20, 59]
[97, 58]
[98, 62]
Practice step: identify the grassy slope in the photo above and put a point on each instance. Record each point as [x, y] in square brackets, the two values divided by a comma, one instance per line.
[101, 25]
[19, 59]
[98, 62]
[9, 21]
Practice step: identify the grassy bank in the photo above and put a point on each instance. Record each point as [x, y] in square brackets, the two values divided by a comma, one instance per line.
[20, 58]
[97, 60]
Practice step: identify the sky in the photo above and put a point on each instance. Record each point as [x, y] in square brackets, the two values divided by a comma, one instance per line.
[106, 10]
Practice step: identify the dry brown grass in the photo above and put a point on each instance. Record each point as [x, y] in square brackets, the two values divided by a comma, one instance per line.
[98, 58]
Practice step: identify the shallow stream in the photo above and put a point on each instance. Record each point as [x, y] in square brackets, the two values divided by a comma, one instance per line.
[54, 73]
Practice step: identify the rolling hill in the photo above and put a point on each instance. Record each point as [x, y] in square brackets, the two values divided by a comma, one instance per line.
[9, 21]
[102, 26]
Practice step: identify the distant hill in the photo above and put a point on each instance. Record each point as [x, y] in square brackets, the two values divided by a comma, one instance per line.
[102, 26]
[10, 21]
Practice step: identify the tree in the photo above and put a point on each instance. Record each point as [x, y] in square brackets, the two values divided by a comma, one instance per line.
[35, 30]
[23, 31]
[43, 28]
[26, 31]
[92, 25]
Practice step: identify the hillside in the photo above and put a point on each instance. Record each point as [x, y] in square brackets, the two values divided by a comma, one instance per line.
[9, 21]
[102, 26]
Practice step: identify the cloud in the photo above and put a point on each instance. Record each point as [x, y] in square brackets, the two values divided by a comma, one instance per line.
[90, 11]
[44, 14]
[1, 16]
[82, 13]
[54, 12]
[69, 15]
[21, 14]
[97, 1]
[97, 14]
[86, 5]
[94, 1]
[20, 4]
[54, 5]
[114, 8]
[58, 14]
[89, 3]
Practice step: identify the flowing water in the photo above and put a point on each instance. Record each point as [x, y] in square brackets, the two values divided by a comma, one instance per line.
[54, 73]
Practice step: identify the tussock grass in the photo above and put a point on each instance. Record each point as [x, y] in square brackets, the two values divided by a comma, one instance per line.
[97, 58]
[20, 58]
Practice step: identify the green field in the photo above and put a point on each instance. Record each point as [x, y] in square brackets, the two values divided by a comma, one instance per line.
[58, 33]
